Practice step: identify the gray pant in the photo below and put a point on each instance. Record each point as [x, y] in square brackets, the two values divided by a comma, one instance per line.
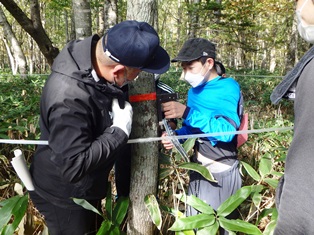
[215, 194]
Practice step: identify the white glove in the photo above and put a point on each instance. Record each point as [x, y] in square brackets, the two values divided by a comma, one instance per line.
[122, 118]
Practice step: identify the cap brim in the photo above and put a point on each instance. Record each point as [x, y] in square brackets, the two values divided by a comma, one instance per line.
[160, 64]
[184, 59]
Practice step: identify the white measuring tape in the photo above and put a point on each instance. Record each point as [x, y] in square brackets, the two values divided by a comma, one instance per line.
[152, 139]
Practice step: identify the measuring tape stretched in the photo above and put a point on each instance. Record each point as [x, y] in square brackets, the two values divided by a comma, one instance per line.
[152, 139]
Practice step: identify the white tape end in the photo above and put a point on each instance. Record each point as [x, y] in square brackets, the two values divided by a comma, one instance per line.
[17, 153]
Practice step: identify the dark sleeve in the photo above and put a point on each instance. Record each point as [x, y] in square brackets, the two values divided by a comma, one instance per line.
[79, 146]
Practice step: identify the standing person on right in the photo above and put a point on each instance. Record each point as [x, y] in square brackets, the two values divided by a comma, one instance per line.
[211, 107]
[294, 195]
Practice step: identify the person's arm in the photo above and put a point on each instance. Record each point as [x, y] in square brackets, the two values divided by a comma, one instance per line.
[196, 122]
[199, 122]
[75, 146]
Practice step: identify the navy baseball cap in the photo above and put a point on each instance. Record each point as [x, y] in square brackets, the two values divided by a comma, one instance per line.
[136, 44]
[195, 48]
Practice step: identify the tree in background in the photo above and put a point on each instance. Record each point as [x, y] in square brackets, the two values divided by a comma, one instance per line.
[250, 33]
[15, 53]
[82, 18]
[33, 27]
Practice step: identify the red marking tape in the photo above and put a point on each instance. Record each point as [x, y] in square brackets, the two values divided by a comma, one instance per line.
[142, 97]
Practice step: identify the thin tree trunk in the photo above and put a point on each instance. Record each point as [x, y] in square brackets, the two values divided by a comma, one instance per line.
[142, 10]
[18, 63]
[66, 28]
[144, 168]
[194, 19]
[292, 49]
[110, 16]
[82, 18]
[11, 59]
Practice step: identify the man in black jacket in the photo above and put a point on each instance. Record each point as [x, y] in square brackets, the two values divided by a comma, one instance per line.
[85, 118]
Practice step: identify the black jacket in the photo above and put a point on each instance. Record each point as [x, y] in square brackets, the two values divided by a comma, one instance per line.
[75, 119]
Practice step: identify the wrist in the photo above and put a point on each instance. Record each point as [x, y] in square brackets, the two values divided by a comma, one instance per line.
[124, 129]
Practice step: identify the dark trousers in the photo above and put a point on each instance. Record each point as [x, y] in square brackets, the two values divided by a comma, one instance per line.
[123, 171]
[215, 194]
[62, 221]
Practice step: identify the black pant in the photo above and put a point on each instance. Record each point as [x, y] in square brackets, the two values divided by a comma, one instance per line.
[62, 221]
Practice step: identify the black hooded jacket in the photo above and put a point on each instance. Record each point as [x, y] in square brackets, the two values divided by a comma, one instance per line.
[75, 119]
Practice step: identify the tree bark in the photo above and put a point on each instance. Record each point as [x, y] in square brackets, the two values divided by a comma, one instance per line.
[82, 18]
[194, 14]
[144, 168]
[18, 63]
[33, 27]
[110, 16]
[142, 10]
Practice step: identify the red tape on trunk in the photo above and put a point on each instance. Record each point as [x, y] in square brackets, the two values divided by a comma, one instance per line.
[142, 97]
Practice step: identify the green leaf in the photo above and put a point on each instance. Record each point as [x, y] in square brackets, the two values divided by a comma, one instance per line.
[272, 182]
[153, 208]
[270, 227]
[213, 229]
[15, 206]
[193, 222]
[108, 204]
[251, 171]
[272, 224]
[120, 210]
[109, 229]
[239, 226]
[188, 145]
[234, 201]
[264, 213]
[198, 168]
[196, 203]
[114, 230]
[257, 198]
[85, 204]
[265, 166]
[274, 215]
[104, 228]
[164, 159]
[185, 232]
[165, 172]
[174, 212]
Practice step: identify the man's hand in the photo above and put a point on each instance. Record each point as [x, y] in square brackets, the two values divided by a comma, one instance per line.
[122, 118]
[166, 143]
[173, 109]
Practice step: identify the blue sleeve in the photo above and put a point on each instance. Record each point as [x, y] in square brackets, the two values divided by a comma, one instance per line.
[206, 124]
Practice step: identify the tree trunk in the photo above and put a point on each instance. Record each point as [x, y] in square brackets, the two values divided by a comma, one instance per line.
[144, 168]
[292, 49]
[33, 27]
[82, 18]
[194, 19]
[142, 10]
[110, 14]
[11, 59]
[18, 63]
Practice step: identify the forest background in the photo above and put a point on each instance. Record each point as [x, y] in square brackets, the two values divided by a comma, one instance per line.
[257, 41]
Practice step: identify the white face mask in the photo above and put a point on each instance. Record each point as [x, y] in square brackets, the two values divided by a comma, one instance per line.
[196, 79]
[305, 31]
